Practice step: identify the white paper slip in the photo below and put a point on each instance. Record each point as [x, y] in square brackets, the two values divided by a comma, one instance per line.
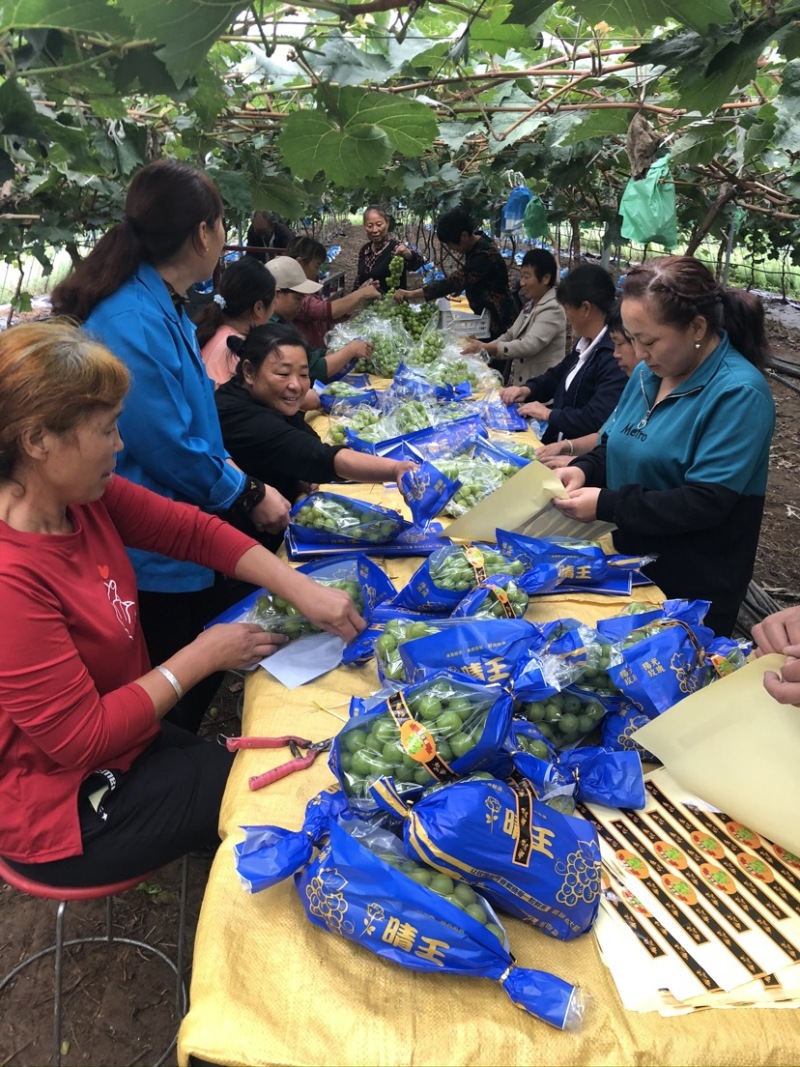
[304, 660]
[737, 748]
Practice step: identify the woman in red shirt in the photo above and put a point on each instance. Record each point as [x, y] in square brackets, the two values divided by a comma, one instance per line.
[94, 786]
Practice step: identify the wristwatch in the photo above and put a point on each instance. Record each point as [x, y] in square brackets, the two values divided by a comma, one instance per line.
[250, 497]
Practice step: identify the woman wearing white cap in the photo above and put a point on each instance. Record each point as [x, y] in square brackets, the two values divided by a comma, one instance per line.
[291, 285]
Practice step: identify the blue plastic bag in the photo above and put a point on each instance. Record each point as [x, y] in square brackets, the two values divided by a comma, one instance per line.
[497, 597]
[487, 650]
[360, 887]
[426, 491]
[331, 518]
[521, 855]
[437, 730]
[440, 583]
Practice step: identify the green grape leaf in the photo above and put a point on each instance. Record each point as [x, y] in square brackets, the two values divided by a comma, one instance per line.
[184, 29]
[643, 14]
[605, 123]
[310, 142]
[88, 16]
[409, 126]
[699, 144]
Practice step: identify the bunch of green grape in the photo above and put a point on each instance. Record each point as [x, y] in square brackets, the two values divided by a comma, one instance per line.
[413, 415]
[428, 350]
[346, 518]
[278, 615]
[458, 893]
[478, 479]
[565, 717]
[359, 421]
[454, 716]
[520, 448]
[395, 633]
[395, 272]
[492, 606]
[451, 569]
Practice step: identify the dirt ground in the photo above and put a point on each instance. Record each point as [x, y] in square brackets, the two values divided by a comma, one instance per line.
[119, 1006]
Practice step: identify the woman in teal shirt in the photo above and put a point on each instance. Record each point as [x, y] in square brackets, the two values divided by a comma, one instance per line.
[682, 465]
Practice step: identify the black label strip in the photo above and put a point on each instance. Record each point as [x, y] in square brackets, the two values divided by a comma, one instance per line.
[524, 833]
[725, 862]
[700, 858]
[737, 848]
[667, 902]
[699, 884]
[698, 909]
[633, 920]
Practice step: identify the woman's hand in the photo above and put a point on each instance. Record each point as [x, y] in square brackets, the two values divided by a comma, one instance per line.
[272, 514]
[514, 394]
[399, 295]
[235, 646]
[535, 410]
[556, 462]
[778, 632]
[472, 346]
[330, 609]
[357, 349]
[785, 687]
[572, 478]
[369, 290]
[401, 468]
[581, 504]
[403, 250]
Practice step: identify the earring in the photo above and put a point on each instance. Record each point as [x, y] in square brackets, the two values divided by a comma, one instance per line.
[697, 345]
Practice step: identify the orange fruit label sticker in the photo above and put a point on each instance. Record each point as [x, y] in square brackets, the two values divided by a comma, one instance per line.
[417, 741]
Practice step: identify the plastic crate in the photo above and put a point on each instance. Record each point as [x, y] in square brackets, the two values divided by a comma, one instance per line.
[463, 324]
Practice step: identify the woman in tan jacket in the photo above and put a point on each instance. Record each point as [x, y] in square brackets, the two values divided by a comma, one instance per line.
[537, 338]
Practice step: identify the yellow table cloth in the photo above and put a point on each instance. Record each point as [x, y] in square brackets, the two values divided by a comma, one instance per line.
[270, 988]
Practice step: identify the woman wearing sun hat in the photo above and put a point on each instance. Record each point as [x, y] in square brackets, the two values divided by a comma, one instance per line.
[291, 285]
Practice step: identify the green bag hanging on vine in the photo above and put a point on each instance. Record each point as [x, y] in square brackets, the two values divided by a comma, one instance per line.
[534, 221]
[647, 207]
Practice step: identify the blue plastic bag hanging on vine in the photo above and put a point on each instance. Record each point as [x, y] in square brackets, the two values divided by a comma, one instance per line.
[514, 208]
[647, 207]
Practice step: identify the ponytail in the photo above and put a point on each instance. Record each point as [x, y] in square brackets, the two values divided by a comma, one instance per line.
[743, 316]
[165, 203]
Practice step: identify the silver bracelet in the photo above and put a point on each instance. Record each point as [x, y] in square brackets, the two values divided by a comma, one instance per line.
[571, 448]
[173, 681]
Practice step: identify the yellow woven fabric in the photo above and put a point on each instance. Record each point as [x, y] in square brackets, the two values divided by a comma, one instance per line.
[270, 988]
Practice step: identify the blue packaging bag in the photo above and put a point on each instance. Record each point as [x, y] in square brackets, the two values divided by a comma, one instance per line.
[440, 583]
[486, 650]
[426, 491]
[521, 855]
[661, 663]
[437, 730]
[497, 416]
[360, 887]
[330, 518]
[593, 774]
[497, 597]
[576, 560]
[365, 582]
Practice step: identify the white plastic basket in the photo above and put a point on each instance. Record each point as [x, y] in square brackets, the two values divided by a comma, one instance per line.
[463, 324]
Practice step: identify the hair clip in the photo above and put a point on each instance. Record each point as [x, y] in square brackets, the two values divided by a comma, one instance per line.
[220, 301]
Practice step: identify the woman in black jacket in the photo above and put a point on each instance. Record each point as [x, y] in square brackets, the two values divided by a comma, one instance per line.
[577, 395]
[375, 257]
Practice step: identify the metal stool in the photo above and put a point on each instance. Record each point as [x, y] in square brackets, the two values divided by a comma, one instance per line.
[64, 895]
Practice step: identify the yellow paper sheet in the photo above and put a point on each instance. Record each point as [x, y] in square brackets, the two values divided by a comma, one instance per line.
[524, 503]
[735, 747]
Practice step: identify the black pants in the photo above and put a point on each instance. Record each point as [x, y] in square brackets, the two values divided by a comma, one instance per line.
[166, 805]
[171, 621]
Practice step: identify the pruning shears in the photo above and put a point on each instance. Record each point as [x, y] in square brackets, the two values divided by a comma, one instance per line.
[301, 759]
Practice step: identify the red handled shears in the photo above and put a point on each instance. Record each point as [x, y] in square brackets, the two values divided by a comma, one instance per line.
[295, 745]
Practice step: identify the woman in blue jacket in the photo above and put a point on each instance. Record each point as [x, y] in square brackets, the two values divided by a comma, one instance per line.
[130, 292]
[681, 468]
[575, 397]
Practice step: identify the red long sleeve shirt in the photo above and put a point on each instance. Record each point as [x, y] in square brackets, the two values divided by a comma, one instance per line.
[70, 652]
